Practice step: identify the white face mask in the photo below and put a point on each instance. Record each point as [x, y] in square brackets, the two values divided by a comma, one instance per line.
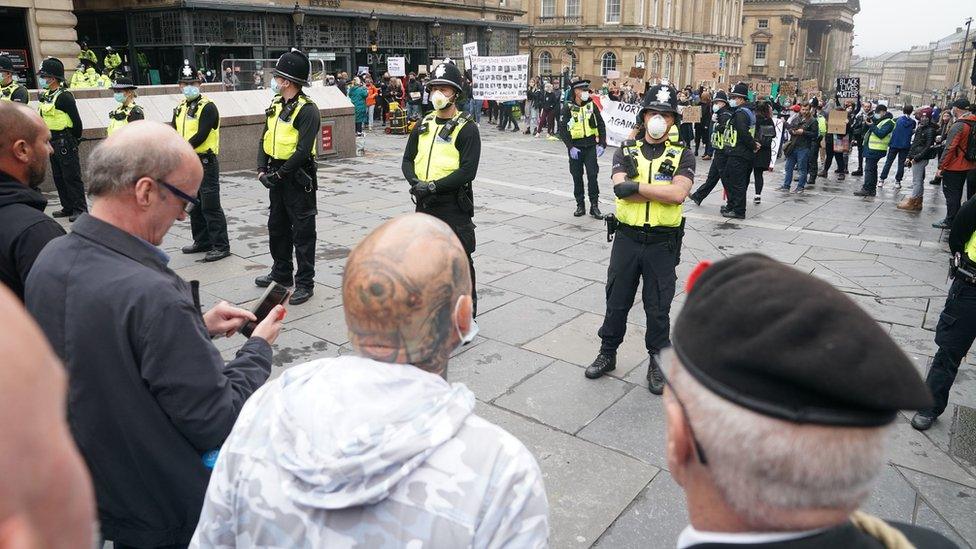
[584, 96]
[472, 330]
[439, 100]
[657, 127]
[733, 102]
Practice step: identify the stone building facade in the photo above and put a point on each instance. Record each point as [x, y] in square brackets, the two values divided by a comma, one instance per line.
[35, 29]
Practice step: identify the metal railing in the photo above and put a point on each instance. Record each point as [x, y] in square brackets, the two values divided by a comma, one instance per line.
[255, 74]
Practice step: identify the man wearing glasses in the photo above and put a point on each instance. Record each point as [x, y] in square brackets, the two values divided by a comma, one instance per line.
[150, 398]
[777, 434]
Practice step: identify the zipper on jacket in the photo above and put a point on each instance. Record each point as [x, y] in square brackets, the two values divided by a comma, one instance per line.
[430, 153]
[274, 136]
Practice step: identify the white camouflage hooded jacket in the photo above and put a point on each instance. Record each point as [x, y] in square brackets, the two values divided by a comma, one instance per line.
[350, 452]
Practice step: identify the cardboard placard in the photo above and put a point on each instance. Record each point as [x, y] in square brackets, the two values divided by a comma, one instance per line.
[613, 75]
[809, 85]
[637, 72]
[706, 67]
[763, 89]
[422, 69]
[837, 121]
[396, 66]
[787, 88]
[690, 114]
[848, 88]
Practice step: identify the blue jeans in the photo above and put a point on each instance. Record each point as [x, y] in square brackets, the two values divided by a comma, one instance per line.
[902, 154]
[871, 174]
[474, 108]
[797, 159]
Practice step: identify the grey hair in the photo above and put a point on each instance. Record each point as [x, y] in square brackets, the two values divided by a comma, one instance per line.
[116, 164]
[768, 469]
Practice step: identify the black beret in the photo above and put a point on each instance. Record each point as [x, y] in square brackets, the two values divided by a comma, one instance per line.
[788, 345]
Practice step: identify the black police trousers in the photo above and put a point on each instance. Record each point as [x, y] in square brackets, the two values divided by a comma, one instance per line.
[716, 172]
[954, 335]
[952, 187]
[632, 258]
[66, 171]
[465, 234]
[291, 224]
[587, 158]
[737, 173]
[207, 222]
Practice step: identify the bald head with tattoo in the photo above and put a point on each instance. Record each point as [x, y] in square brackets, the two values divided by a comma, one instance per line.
[407, 293]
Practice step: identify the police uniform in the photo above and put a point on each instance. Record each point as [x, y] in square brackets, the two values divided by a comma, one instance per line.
[877, 137]
[197, 119]
[440, 162]
[124, 113]
[956, 330]
[286, 166]
[740, 147]
[12, 91]
[84, 76]
[646, 242]
[87, 54]
[582, 129]
[720, 122]
[112, 60]
[60, 113]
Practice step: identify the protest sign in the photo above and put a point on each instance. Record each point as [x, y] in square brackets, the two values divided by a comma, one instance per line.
[690, 114]
[470, 50]
[362, 70]
[848, 88]
[500, 78]
[620, 119]
[706, 68]
[787, 88]
[637, 72]
[613, 75]
[809, 85]
[777, 141]
[396, 66]
[762, 89]
[837, 121]
[422, 69]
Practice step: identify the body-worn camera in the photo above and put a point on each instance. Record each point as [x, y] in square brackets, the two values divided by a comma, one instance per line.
[612, 224]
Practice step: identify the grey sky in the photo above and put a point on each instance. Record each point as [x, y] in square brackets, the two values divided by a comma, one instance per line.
[894, 25]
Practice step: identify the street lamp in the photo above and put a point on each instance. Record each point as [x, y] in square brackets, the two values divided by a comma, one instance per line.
[435, 33]
[373, 24]
[298, 18]
[532, 51]
[488, 33]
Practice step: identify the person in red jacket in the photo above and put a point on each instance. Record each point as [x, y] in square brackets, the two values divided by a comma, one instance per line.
[954, 168]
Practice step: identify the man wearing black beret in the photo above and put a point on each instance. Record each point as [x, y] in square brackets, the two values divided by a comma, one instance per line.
[770, 448]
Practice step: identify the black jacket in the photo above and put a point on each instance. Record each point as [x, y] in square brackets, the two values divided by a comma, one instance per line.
[148, 393]
[744, 144]
[923, 141]
[847, 536]
[24, 231]
[601, 129]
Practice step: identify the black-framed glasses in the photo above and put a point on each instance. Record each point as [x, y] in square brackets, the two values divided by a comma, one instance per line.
[666, 356]
[189, 202]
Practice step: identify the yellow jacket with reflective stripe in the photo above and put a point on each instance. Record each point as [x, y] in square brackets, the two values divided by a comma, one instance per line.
[281, 138]
[970, 248]
[7, 92]
[437, 158]
[119, 117]
[654, 214]
[880, 143]
[55, 119]
[582, 122]
[187, 125]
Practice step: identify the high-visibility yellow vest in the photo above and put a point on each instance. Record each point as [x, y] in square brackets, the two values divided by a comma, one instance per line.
[55, 119]
[112, 61]
[79, 80]
[103, 81]
[7, 92]
[582, 122]
[718, 136]
[970, 248]
[654, 214]
[822, 125]
[436, 157]
[281, 138]
[187, 125]
[119, 117]
[673, 135]
[880, 143]
[89, 55]
[731, 137]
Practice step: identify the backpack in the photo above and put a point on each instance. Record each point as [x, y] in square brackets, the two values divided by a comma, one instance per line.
[969, 151]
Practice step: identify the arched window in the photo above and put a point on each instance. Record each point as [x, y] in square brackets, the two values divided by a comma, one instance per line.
[655, 66]
[667, 14]
[545, 63]
[609, 63]
[668, 66]
[640, 60]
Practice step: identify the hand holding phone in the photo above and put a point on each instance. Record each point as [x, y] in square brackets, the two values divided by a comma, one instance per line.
[276, 295]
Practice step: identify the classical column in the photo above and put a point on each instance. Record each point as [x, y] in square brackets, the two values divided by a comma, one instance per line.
[56, 36]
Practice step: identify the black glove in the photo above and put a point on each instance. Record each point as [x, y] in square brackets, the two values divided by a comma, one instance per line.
[420, 190]
[625, 189]
[269, 180]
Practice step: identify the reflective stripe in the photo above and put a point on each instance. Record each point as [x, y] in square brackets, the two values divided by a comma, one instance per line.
[655, 214]
[7, 92]
[55, 119]
[281, 138]
[437, 158]
[187, 126]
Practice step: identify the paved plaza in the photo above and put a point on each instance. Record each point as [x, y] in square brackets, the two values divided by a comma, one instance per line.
[541, 275]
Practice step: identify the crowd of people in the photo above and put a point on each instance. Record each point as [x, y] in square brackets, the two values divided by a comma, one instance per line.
[121, 422]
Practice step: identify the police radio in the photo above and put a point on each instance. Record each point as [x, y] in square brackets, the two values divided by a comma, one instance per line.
[448, 129]
[667, 166]
[629, 147]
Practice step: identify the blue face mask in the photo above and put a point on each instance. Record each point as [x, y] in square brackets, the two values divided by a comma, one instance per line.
[119, 97]
[716, 107]
[275, 86]
[191, 92]
[877, 116]
[45, 84]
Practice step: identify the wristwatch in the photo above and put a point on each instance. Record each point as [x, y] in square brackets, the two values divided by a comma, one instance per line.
[432, 187]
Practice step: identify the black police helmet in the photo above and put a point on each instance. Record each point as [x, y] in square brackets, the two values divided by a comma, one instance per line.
[446, 73]
[660, 98]
[123, 83]
[188, 73]
[52, 67]
[6, 63]
[740, 90]
[294, 67]
[720, 95]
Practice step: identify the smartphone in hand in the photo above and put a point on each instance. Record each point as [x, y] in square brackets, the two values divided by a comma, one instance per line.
[275, 295]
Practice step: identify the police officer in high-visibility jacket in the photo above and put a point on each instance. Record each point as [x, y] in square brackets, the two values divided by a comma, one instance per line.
[740, 147]
[60, 113]
[127, 111]
[286, 166]
[197, 119]
[721, 115]
[112, 60]
[10, 89]
[651, 177]
[582, 130]
[441, 160]
[84, 76]
[87, 54]
[877, 137]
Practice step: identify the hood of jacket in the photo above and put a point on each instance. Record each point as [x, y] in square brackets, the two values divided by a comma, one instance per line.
[15, 192]
[347, 430]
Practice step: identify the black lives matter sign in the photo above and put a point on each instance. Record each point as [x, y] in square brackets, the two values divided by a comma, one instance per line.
[848, 88]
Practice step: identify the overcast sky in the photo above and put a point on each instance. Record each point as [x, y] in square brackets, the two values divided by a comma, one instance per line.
[895, 25]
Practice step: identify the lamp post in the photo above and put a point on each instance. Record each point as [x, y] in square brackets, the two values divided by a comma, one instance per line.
[298, 18]
[532, 52]
[488, 33]
[962, 54]
[568, 69]
[435, 33]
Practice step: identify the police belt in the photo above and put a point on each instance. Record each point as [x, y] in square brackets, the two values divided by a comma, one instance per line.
[206, 155]
[58, 135]
[648, 234]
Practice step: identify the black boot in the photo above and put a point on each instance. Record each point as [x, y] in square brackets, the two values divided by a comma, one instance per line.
[595, 211]
[922, 422]
[195, 248]
[602, 364]
[264, 281]
[580, 209]
[216, 255]
[301, 295]
[857, 173]
[655, 378]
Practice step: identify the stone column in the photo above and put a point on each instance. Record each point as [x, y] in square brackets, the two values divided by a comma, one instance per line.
[54, 32]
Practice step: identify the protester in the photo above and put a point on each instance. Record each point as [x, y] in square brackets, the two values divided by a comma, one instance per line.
[151, 397]
[46, 496]
[769, 449]
[877, 136]
[858, 130]
[358, 96]
[550, 111]
[413, 94]
[401, 459]
[802, 130]
[901, 141]
[765, 132]
[372, 92]
[945, 123]
[701, 126]
[230, 80]
[955, 168]
[24, 229]
[919, 154]
[534, 103]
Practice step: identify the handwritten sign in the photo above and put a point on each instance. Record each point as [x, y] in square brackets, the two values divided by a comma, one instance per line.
[613, 74]
[470, 50]
[707, 67]
[396, 66]
[848, 88]
[637, 72]
[690, 114]
[620, 119]
[763, 89]
[837, 121]
[809, 85]
[500, 78]
[787, 88]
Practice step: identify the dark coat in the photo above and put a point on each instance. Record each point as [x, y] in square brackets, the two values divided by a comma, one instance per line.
[765, 153]
[24, 231]
[923, 141]
[847, 536]
[148, 393]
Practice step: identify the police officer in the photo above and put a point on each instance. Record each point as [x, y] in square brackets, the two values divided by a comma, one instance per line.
[10, 89]
[112, 60]
[60, 113]
[721, 116]
[127, 111]
[582, 130]
[956, 330]
[197, 119]
[441, 160]
[286, 166]
[740, 147]
[84, 75]
[652, 178]
[87, 54]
